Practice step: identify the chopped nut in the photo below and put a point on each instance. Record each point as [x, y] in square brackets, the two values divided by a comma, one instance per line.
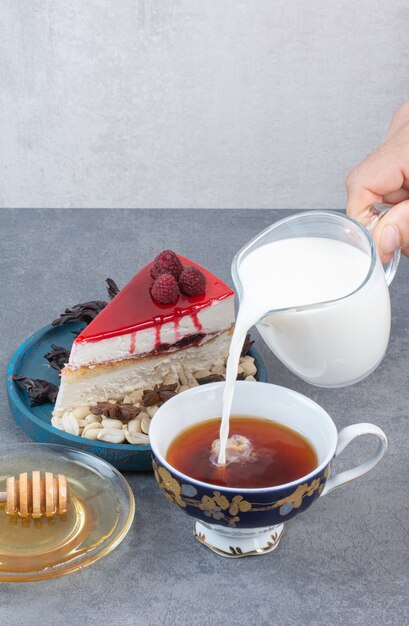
[171, 379]
[213, 378]
[135, 396]
[182, 377]
[250, 378]
[191, 380]
[218, 369]
[201, 374]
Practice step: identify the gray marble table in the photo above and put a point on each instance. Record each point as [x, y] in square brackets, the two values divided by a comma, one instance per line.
[345, 561]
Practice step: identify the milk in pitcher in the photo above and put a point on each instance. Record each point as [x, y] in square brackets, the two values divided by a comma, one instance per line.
[296, 290]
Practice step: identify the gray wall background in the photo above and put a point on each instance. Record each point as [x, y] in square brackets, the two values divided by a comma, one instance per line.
[194, 103]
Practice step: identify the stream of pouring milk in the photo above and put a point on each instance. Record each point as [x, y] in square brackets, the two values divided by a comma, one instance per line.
[289, 273]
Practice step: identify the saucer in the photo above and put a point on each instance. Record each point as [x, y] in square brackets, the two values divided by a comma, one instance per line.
[100, 512]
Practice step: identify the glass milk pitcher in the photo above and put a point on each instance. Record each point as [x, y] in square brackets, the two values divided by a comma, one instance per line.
[337, 342]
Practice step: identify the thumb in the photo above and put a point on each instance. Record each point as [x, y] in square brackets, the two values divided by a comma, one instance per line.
[392, 232]
[373, 180]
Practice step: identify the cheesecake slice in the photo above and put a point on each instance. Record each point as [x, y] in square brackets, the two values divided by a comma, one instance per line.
[135, 341]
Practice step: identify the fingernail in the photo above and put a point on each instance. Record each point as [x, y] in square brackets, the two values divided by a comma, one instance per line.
[390, 239]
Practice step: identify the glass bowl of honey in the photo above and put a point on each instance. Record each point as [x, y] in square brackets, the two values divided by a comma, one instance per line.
[99, 513]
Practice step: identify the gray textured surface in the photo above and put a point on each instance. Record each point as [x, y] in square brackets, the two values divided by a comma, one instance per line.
[194, 103]
[343, 562]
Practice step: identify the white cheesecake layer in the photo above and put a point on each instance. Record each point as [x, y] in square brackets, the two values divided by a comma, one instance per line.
[216, 318]
[103, 382]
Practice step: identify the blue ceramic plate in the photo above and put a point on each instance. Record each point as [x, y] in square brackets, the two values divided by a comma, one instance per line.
[29, 361]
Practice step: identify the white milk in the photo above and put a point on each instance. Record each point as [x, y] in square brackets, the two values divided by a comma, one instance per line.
[332, 344]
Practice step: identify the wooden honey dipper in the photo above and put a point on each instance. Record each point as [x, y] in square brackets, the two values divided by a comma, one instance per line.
[36, 496]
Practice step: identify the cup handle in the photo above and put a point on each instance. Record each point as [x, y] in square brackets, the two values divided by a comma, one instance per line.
[344, 438]
[378, 210]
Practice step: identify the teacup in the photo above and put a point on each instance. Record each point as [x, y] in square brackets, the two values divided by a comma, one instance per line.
[236, 522]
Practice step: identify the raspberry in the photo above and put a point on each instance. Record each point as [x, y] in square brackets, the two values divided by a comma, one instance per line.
[192, 282]
[165, 289]
[166, 263]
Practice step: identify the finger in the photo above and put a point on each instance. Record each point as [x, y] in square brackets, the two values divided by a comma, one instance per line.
[377, 176]
[400, 119]
[392, 232]
[396, 196]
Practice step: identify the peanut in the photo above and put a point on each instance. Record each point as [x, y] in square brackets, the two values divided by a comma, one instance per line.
[81, 412]
[70, 423]
[111, 435]
[107, 422]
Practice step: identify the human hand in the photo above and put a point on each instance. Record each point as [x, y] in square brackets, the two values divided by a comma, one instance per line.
[383, 177]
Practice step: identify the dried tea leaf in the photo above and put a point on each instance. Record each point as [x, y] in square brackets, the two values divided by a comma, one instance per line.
[39, 391]
[57, 357]
[120, 411]
[85, 312]
[112, 287]
[158, 395]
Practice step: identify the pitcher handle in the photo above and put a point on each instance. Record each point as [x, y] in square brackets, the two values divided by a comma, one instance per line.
[378, 210]
[345, 437]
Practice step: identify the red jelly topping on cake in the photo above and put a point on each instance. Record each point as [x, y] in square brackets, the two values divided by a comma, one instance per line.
[133, 343]
[133, 308]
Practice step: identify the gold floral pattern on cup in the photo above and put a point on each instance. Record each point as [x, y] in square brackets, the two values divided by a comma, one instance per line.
[170, 486]
[217, 506]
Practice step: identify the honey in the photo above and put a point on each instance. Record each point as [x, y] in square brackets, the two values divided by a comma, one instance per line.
[48, 541]
[100, 511]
